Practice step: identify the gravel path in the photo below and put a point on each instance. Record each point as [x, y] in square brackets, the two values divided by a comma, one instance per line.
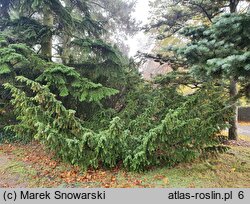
[244, 130]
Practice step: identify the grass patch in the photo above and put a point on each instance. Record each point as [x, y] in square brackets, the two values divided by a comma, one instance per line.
[33, 166]
[17, 167]
[228, 170]
[16, 173]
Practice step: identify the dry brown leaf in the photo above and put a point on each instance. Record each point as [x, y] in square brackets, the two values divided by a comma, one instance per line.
[165, 180]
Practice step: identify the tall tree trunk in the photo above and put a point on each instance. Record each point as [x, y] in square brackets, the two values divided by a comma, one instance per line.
[66, 39]
[232, 132]
[46, 44]
[233, 5]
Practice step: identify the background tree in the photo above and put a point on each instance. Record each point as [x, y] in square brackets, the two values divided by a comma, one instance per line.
[183, 14]
[221, 52]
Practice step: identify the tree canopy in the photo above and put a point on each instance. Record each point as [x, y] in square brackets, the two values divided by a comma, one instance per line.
[216, 49]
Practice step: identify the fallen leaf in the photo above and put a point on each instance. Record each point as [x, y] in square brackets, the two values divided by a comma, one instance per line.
[165, 180]
[138, 182]
[107, 185]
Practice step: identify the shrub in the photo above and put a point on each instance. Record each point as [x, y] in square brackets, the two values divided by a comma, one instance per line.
[182, 135]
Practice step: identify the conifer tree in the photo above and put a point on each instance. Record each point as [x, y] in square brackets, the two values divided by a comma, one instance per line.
[40, 24]
[221, 51]
[181, 15]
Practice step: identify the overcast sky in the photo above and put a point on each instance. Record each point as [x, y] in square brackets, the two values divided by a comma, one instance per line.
[142, 10]
[139, 41]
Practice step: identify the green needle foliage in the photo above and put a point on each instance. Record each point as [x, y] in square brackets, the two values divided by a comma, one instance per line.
[220, 50]
[184, 134]
[87, 103]
[64, 81]
[67, 81]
